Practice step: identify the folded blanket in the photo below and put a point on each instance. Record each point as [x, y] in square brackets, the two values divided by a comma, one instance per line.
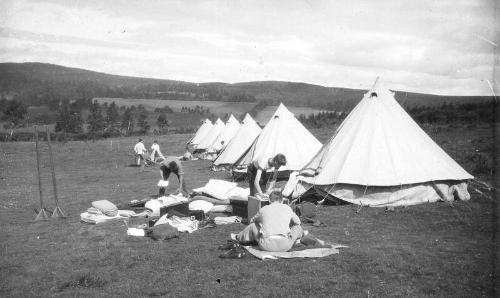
[227, 220]
[97, 218]
[106, 207]
[305, 253]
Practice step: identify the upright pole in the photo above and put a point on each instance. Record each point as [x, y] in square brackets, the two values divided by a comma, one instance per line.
[41, 215]
[57, 211]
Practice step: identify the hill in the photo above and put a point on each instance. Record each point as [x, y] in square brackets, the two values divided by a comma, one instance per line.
[39, 83]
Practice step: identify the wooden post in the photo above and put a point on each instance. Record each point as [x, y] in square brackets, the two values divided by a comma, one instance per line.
[41, 215]
[57, 211]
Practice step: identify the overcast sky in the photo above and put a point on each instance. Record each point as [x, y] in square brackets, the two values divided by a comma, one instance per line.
[433, 46]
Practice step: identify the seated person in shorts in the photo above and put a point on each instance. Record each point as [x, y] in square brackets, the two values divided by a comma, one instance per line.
[274, 228]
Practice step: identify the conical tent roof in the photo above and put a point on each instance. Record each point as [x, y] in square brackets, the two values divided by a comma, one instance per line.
[379, 144]
[227, 133]
[283, 134]
[210, 137]
[241, 142]
[201, 132]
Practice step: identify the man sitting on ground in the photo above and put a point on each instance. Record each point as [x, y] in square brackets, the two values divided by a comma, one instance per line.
[172, 164]
[258, 177]
[275, 227]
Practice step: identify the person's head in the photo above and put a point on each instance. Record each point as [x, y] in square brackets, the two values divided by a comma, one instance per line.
[278, 161]
[155, 142]
[275, 196]
[140, 140]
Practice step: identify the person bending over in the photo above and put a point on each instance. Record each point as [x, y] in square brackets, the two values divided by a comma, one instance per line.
[258, 177]
[172, 164]
[274, 228]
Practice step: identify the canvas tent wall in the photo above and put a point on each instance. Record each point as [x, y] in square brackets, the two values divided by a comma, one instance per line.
[211, 135]
[282, 134]
[241, 142]
[379, 156]
[227, 133]
[202, 131]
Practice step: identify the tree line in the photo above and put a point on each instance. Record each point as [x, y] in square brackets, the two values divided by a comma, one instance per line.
[479, 112]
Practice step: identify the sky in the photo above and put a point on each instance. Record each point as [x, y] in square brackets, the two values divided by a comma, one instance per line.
[447, 47]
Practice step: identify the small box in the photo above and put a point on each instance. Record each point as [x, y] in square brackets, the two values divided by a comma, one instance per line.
[198, 214]
[254, 205]
[240, 207]
[179, 209]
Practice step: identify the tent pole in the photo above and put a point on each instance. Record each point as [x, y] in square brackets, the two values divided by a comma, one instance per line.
[41, 214]
[57, 211]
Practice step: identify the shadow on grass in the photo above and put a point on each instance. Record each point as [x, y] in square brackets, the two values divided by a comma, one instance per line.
[85, 280]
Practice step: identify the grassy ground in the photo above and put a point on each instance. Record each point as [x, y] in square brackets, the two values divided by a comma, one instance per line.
[426, 250]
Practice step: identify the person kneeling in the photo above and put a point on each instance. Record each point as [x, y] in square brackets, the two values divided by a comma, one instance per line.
[274, 228]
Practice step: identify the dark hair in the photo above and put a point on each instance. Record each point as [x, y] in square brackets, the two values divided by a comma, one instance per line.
[140, 140]
[275, 196]
[280, 159]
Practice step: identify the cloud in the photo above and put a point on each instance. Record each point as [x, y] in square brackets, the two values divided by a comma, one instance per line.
[424, 46]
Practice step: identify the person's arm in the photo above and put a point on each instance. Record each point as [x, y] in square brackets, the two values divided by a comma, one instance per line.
[255, 218]
[295, 219]
[271, 184]
[256, 181]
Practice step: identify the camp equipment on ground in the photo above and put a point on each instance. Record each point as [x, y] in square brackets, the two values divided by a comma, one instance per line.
[380, 157]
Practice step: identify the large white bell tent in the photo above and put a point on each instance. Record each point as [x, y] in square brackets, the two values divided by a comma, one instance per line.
[211, 135]
[227, 133]
[240, 143]
[379, 156]
[201, 133]
[286, 135]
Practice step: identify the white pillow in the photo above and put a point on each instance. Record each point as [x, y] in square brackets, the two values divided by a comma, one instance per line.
[201, 205]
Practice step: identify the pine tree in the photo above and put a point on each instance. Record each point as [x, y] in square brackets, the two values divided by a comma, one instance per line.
[112, 119]
[127, 122]
[96, 120]
[142, 122]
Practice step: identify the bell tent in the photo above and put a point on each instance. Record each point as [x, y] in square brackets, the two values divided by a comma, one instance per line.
[227, 133]
[240, 143]
[282, 134]
[211, 135]
[201, 133]
[379, 156]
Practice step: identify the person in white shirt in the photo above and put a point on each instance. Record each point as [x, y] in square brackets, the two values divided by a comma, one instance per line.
[140, 154]
[155, 151]
[274, 228]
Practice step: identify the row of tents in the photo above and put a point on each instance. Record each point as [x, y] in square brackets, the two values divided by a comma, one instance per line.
[378, 156]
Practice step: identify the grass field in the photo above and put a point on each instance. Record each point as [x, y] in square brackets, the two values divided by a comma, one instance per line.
[219, 108]
[427, 250]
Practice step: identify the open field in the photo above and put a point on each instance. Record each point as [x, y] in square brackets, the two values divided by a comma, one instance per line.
[219, 108]
[427, 250]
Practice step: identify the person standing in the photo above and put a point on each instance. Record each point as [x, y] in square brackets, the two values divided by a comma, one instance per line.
[259, 177]
[155, 151]
[140, 154]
